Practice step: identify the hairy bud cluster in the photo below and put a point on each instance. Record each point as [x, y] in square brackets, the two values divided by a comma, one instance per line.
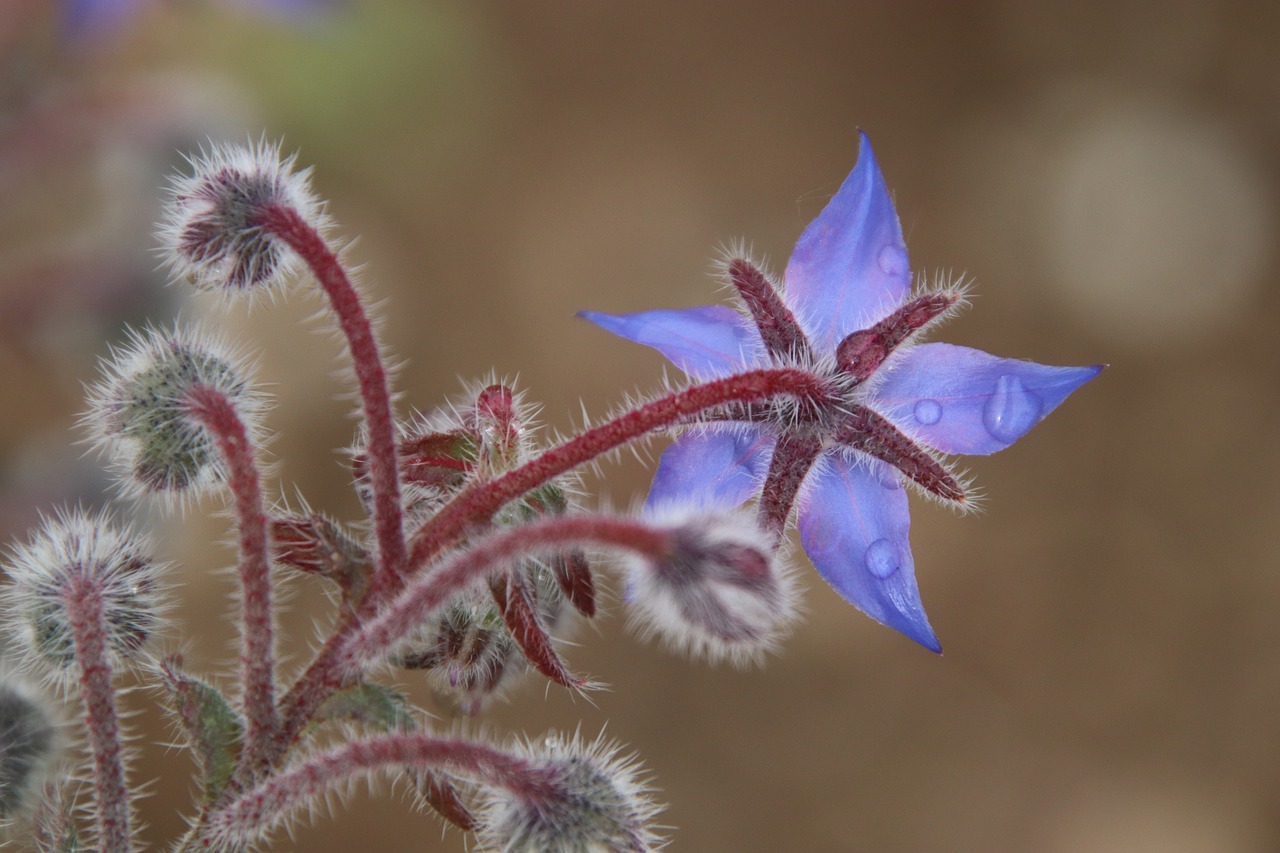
[29, 744]
[483, 433]
[594, 800]
[84, 556]
[213, 232]
[468, 651]
[139, 411]
[718, 593]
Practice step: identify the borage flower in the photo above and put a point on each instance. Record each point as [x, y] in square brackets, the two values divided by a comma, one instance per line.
[845, 312]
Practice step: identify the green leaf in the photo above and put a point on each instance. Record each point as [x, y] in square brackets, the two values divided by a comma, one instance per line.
[214, 731]
[374, 705]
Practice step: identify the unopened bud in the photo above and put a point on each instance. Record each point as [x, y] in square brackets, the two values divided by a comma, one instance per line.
[500, 425]
[591, 799]
[468, 650]
[213, 233]
[82, 556]
[139, 413]
[29, 744]
[718, 593]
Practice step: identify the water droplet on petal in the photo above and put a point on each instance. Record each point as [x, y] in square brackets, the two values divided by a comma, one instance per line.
[1011, 410]
[893, 260]
[882, 558]
[890, 479]
[927, 412]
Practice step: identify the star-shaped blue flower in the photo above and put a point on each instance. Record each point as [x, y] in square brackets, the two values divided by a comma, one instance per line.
[845, 311]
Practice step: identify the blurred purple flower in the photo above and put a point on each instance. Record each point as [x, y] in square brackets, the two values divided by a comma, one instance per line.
[88, 19]
[845, 314]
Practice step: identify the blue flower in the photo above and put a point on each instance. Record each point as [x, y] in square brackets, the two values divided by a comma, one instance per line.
[84, 20]
[845, 311]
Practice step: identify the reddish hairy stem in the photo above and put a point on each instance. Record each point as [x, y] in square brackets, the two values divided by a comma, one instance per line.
[286, 224]
[476, 505]
[254, 813]
[257, 649]
[84, 603]
[408, 611]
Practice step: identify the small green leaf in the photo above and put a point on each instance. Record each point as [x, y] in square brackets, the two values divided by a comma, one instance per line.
[214, 731]
[374, 705]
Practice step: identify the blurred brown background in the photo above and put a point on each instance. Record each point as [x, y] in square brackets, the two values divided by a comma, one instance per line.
[1108, 173]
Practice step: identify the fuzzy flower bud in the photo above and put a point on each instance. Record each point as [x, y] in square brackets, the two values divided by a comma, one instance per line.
[29, 744]
[73, 558]
[139, 412]
[213, 232]
[718, 593]
[468, 650]
[593, 801]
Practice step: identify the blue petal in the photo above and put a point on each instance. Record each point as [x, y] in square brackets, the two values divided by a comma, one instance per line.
[849, 268]
[853, 525]
[706, 342]
[86, 19]
[962, 400]
[715, 468]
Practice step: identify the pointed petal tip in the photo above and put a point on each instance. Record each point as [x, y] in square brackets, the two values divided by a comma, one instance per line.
[850, 266]
[915, 627]
[930, 642]
[705, 342]
[593, 317]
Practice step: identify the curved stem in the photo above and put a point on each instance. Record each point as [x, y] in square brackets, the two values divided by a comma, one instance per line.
[286, 224]
[257, 649]
[475, 506]
[425, 594]
[85, 608]
[254, 813]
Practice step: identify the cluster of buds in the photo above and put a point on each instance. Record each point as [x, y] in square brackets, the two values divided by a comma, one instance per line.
[473, 562]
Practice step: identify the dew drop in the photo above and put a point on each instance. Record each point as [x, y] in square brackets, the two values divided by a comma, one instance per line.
[882, 558]
[893, 260]
[1011, 410]
[890, 479]
[927, 411]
